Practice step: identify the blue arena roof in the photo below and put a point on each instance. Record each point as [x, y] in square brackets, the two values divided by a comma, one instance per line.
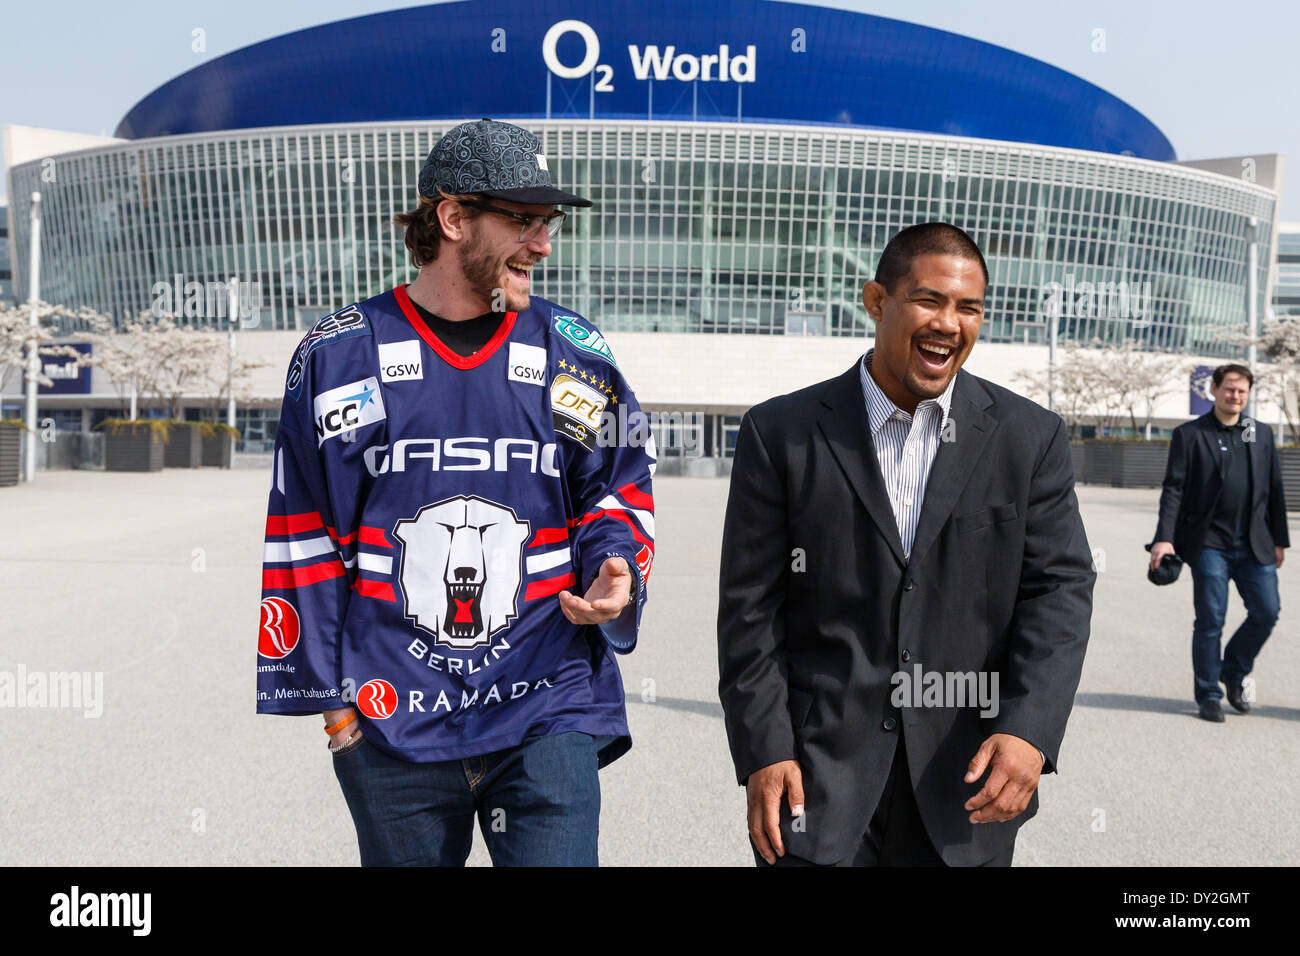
[736, 61]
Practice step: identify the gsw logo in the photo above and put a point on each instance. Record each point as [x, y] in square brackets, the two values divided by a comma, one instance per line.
[400, 361]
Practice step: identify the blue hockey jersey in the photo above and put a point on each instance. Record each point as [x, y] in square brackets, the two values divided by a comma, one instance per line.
[426, 510]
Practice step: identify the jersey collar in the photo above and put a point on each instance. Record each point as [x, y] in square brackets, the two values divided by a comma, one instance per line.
[451, 358]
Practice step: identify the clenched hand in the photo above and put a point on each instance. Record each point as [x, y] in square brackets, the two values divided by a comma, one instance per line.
[1016, 767]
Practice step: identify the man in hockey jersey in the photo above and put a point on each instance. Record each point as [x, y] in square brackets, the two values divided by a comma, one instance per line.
[458, 534]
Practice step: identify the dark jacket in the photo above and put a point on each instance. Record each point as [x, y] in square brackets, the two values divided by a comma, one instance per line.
[818, 608]
[1194, 481]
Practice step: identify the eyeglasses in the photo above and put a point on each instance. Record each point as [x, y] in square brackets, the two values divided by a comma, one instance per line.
[530, 225]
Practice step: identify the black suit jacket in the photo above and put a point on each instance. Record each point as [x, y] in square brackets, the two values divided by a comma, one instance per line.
[818, 608]
[1194, 482]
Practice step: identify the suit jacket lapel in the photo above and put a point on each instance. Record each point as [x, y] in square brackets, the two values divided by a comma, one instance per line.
[844, 424]
[954, 461]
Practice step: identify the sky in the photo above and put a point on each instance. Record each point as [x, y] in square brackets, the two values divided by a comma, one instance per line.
[1218, 79]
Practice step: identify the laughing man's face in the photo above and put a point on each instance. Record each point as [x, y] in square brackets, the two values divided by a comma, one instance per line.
[495, 264]
[926, 327]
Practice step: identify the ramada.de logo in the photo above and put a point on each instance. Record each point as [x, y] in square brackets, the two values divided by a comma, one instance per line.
[377, 699]
[280, 628]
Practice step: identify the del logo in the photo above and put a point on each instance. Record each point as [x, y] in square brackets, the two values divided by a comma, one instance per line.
[589, 340]
[280, 628]
[460, 569]
[400, 361]
[348, 406]
[377, 699]
[527, 364]
[576, 410]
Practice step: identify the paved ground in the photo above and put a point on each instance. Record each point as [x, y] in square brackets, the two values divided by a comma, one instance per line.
[153, 580]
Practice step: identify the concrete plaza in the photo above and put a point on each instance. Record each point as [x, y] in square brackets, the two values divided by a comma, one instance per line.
[153, 580]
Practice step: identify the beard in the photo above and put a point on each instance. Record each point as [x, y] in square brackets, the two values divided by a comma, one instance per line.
[483, 271]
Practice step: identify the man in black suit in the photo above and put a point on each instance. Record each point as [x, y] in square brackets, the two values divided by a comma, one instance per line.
[900, 540]
[1223, 512]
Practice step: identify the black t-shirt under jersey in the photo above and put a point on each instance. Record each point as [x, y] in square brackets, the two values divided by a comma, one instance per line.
[465, 337]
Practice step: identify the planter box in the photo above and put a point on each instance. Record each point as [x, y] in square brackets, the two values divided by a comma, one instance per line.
[1098, 462]
[1289, 460]
[1124, 464]
[138, 450]
[217, 450]
[1141, 464]
[71, 450]
[184, 446]
[11, 450]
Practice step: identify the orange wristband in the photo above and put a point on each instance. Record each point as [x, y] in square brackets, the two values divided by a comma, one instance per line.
[340, 725]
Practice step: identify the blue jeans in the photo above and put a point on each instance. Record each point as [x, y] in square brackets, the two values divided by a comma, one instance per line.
[537, 804]
[1257, 585]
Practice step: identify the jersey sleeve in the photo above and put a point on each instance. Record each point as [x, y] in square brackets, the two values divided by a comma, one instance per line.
[305, 586]
[612, 501]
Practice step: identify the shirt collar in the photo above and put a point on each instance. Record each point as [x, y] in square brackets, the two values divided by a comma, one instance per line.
[880, 408]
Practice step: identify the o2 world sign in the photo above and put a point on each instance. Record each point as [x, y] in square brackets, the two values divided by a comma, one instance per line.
[649, 62]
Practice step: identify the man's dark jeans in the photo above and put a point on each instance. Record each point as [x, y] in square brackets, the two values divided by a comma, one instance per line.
[538, 804]
[1257, 585]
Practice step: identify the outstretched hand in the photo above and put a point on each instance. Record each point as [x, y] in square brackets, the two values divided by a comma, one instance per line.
[605, 599]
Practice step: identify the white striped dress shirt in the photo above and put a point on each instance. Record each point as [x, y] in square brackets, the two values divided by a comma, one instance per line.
[905, 447]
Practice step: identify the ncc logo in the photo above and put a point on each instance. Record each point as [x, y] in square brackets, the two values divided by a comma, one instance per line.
[377, 699]
[280, 629]
[347, 407]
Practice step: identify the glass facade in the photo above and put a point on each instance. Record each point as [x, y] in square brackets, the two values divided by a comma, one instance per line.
[63, 419]
[697, 227]
[1286, 296]
[6, 274]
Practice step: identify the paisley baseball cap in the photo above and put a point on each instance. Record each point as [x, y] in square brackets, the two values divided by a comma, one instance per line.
[494, 159]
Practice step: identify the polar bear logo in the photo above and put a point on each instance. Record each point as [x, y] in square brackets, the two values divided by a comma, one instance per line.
[460, 571]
